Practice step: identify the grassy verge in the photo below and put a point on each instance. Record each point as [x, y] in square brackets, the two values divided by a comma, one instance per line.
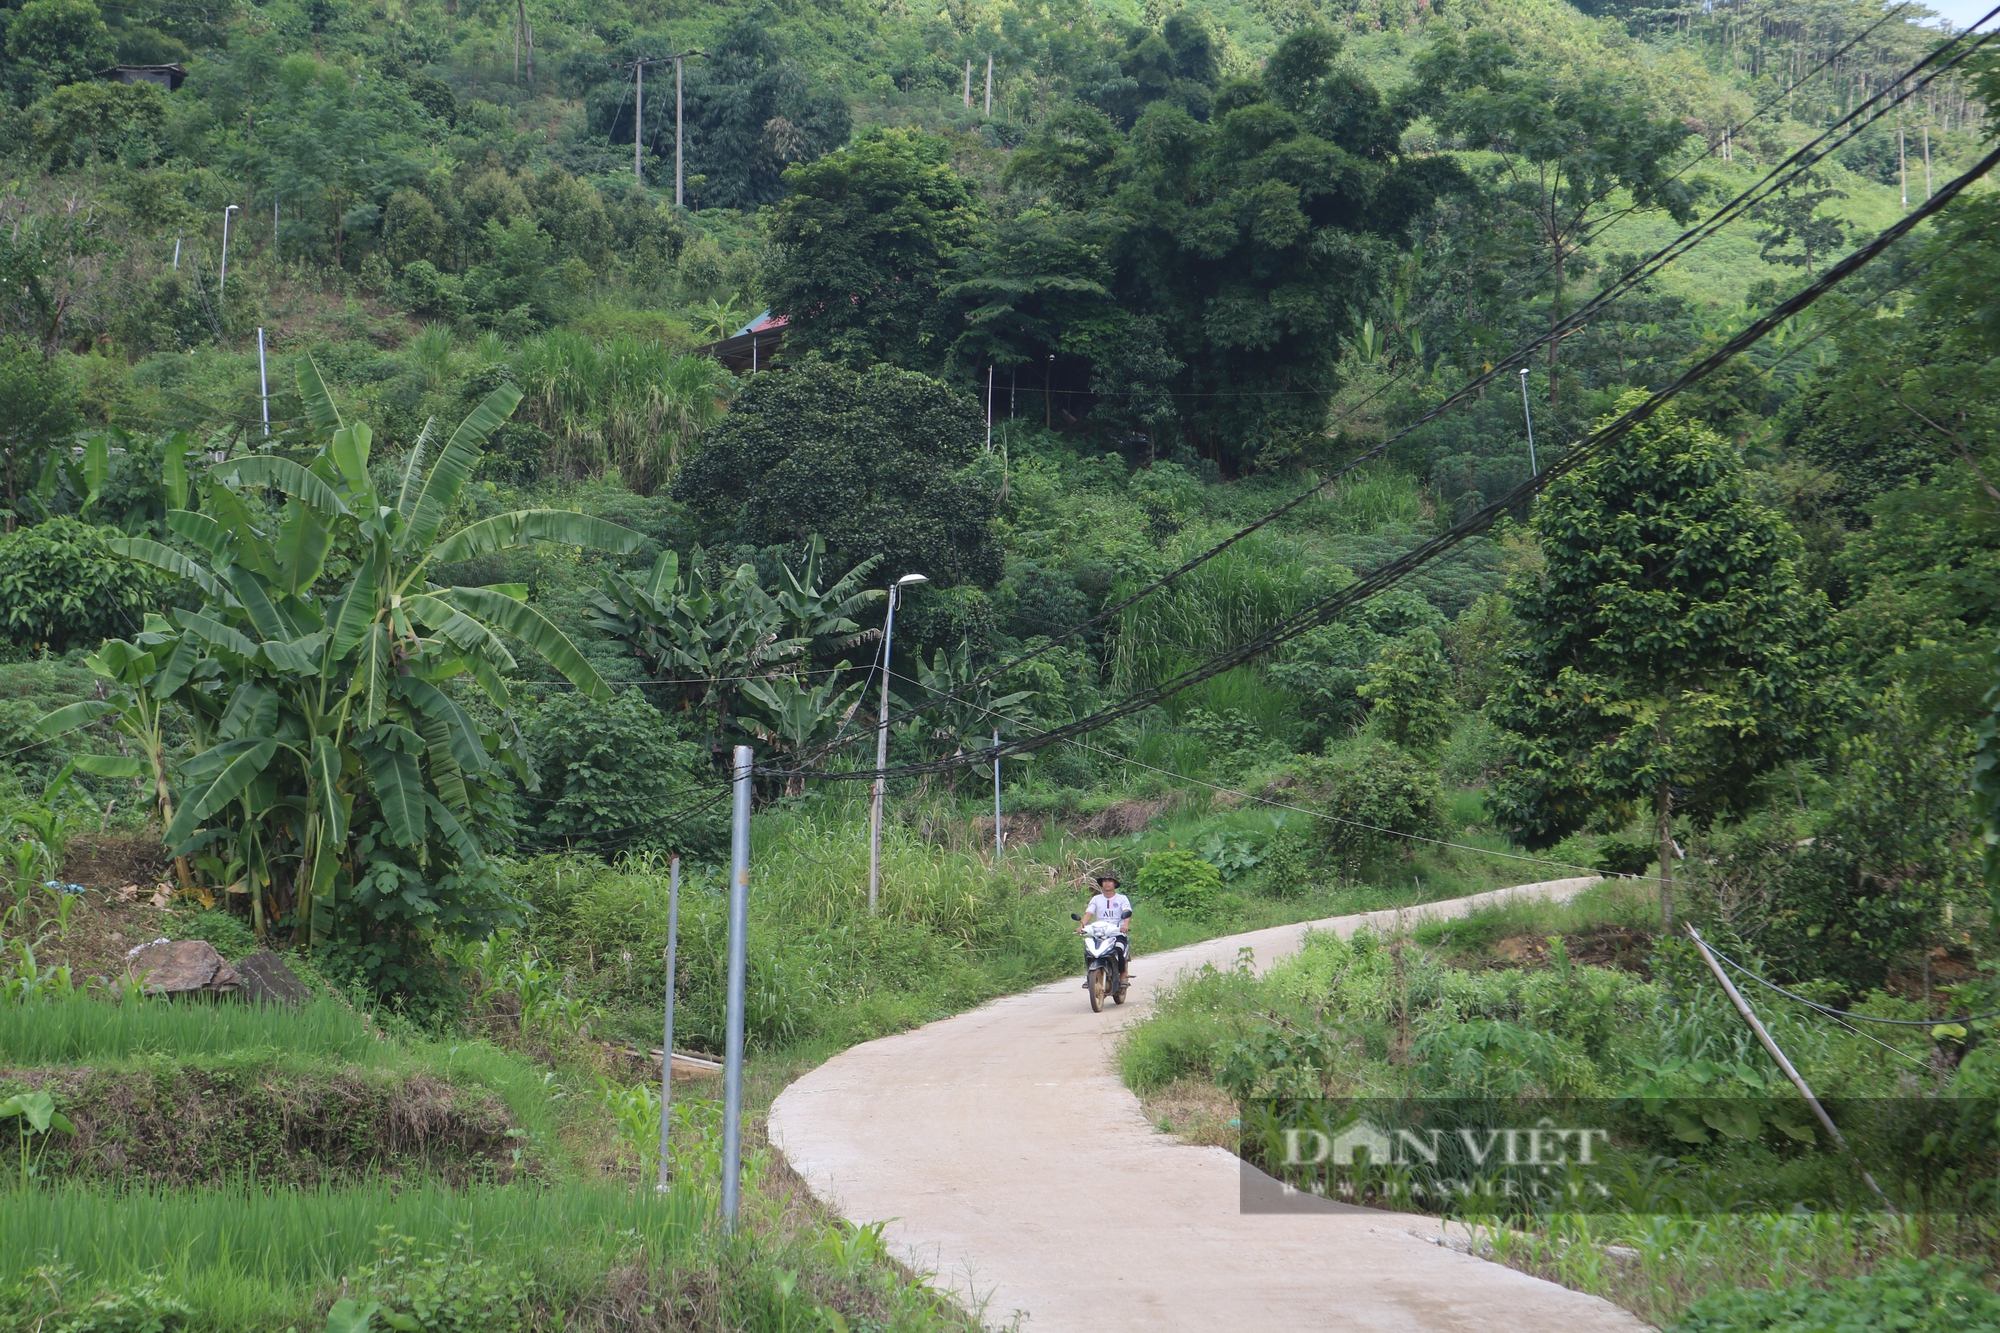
[1514, 1002]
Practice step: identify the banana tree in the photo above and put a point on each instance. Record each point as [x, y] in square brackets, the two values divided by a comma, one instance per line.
[957, 711]
[713, 639]
[316, 680]
[794, 717]
[826, 618]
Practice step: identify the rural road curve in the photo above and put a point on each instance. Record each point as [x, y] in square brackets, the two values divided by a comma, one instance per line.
[1007, 1158]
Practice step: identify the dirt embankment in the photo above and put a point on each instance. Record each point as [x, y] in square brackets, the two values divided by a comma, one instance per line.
[206, 1123]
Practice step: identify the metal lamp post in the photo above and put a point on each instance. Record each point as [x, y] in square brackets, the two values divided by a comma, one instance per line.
[222, 279]
[882, 748]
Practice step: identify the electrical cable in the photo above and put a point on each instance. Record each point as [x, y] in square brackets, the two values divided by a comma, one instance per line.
[1667, 254]
[1387, 575]
[1843, 1013]
[1298, 809]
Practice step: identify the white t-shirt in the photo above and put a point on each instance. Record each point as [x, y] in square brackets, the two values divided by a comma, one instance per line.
[1112, 909]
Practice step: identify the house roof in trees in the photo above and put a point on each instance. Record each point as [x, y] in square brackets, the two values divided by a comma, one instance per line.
[751, 347]
[166, 76]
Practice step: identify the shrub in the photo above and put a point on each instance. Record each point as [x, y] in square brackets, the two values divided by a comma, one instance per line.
[1181, 883]
[1624, 856]
[1380, 795]
[613, 776]
[61, 586]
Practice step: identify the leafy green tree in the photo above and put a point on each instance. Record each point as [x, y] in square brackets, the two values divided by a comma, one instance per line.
[1671, 657]
[1564, 146]
[1792, 217]
[1409, 686]
[870, 238]
[339, 146]
[614, 776]
[37, 414]
[1176, 65]
[1379, 796]
[59, 42]
[61, 586]
[1253, 242]
[878, 463]
[335, 779]
[750, 114]
[83, 121]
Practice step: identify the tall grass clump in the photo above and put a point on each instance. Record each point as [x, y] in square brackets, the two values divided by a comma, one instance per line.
[80, 1029]
[627, 402]
[1241, 593]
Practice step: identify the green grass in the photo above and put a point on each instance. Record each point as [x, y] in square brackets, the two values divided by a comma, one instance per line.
[246, 1258]
[80, 1030]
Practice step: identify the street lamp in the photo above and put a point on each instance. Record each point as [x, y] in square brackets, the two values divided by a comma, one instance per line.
[222, 280]
[882, 747]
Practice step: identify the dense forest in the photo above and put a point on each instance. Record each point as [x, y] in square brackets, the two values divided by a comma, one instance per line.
[394, 546]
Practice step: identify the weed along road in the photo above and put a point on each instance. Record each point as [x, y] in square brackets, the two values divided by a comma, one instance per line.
[1008, 1158]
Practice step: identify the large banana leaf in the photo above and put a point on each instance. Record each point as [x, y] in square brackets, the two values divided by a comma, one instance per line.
[216, 633]
[461, 631]
[399, 791]
[320, 410]
[372, 673]
[356, 611]
[112, 765]
[350, 454]
[285, 475]
[149, 552]
[461, 736]
[246, 759]
[326, 778]
[521, 527]
[71, 716]
[536, 630]
[454, 465]
[304, 537]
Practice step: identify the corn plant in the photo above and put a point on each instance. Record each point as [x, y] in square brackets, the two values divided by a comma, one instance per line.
[316, 679]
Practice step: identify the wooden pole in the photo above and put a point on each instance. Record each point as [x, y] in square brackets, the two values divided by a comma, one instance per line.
[1798, 1080]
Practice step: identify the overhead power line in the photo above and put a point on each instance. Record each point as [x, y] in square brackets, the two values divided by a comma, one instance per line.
[1773, 181]
[1387, 575]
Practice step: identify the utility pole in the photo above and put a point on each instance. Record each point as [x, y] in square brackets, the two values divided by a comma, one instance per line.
[263, 383]
[882, 748]
[1927, 162]
[667, 1046]
[998, 846]
[989, 85]
[638, 67]
[739, 927]
[222, 280]
[989, 409]
[1902, 166]
[1529, 417]
[968, 81]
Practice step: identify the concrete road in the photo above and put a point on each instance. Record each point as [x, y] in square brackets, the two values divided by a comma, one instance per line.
[1007, 1158]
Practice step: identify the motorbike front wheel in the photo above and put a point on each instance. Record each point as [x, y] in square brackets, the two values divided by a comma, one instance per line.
[1096, 990]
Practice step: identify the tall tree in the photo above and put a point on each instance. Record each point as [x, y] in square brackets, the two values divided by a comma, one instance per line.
[1671, 655]
[1564, 149]
[871, 236]
[877, 463]
[1253, 241]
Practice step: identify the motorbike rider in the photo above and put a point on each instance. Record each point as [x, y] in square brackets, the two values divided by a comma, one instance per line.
[1108, 904]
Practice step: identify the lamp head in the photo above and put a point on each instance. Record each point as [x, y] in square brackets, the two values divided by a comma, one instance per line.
[232, 208]
[909, 579]
[1524, 372]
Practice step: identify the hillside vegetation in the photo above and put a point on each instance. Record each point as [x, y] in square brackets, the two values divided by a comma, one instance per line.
[391, 564]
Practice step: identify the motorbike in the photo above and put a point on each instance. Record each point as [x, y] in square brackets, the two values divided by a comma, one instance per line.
[1106, 950]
